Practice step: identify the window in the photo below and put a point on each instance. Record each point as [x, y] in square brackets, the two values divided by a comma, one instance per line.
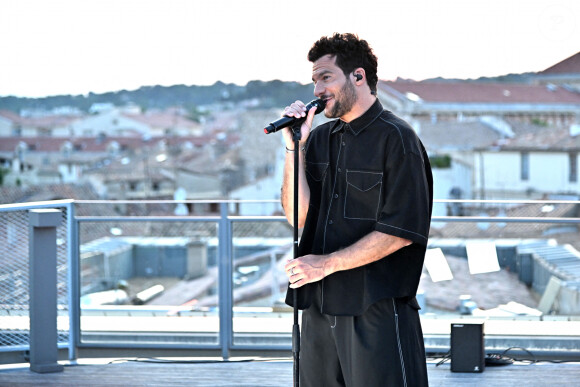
[573, 167]
[214, 208]
[525, 166]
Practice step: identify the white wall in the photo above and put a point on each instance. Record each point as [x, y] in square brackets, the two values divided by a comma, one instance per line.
[444, 179]
[264, 189]
[69, 172]
[548, 173]
[111, 123]
[5, 127]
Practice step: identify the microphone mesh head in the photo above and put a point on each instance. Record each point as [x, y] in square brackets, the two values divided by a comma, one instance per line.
[319, 103]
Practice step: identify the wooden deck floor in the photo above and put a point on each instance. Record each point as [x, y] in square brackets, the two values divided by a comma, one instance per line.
[267, 372]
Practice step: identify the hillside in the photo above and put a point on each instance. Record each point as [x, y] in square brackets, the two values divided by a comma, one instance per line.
[270, 94]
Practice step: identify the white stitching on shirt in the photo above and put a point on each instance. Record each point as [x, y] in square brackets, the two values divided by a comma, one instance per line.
[359, 171]
[399, 228]
[331, 194]
[356, 132]
[316, 166]
[380, 183]
[399, 131]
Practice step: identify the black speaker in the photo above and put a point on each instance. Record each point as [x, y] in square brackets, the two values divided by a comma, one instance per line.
[467, 348]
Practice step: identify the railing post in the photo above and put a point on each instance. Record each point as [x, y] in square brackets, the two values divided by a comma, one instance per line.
[43, 282]
[73, 279]
[225, 280]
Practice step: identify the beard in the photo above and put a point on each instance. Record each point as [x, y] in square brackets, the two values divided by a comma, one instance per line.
[343, 101]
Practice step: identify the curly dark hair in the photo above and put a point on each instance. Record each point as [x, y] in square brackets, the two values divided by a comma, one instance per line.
[350, 52]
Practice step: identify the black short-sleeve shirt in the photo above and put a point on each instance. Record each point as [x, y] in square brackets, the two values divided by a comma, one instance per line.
[371, 174]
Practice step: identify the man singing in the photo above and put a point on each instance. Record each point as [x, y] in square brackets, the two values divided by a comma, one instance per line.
[365, 200]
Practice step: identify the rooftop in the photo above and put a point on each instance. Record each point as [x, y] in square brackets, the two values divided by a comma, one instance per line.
[570, 65]
[467, 92]
[262, 372]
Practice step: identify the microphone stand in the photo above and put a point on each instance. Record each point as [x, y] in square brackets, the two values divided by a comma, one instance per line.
[296, 135]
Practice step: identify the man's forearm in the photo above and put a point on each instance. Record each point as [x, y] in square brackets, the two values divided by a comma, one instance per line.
[287, 196]
[371, 248]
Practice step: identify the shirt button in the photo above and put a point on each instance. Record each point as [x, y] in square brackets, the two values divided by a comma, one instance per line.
[336, 196]
[343, 143]
[330, 222]
[339, 169]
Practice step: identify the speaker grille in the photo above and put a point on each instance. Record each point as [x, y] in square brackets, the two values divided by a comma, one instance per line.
[467, 348]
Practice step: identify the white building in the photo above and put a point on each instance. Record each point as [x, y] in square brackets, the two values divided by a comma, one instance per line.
[505, 140]
[538, 164]
[111, 123]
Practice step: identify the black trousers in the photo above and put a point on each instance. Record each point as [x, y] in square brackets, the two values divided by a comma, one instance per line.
[383, 347]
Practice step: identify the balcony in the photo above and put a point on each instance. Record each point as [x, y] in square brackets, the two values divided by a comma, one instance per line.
[136, 280]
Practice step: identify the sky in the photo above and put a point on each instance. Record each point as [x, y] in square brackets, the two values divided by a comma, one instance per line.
[55, 47]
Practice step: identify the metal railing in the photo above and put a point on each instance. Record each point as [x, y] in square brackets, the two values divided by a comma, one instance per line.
[14, 272]
[224, 324]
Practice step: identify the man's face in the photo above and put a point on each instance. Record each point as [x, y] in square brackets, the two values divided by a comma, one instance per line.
[333, 86]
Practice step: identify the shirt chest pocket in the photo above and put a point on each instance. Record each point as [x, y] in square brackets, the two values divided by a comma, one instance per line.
[316, 171]
[363, 194]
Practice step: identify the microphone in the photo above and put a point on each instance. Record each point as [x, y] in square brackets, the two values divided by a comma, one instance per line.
[287, 121]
